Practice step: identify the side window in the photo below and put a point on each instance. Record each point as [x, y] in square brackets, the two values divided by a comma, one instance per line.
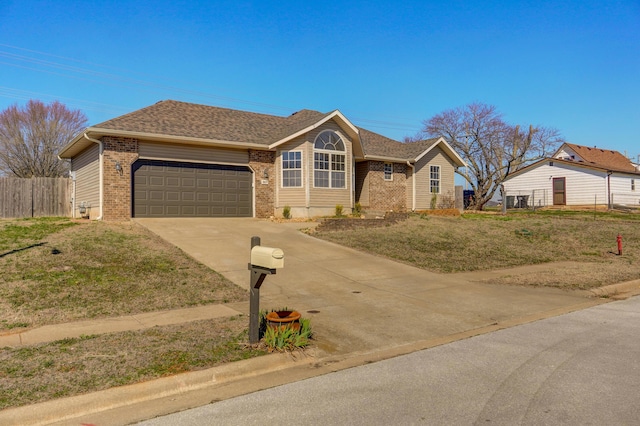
[292, 169]
[434, 181]
[388, 171]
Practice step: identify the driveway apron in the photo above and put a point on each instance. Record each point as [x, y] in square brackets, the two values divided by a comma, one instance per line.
[357, 302]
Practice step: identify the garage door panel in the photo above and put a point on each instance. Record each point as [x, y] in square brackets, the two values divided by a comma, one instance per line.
[171, 189]
[156, 181]
[155, 210]
[188, 210]
[187, 182]
[156, 195]
[203, 197]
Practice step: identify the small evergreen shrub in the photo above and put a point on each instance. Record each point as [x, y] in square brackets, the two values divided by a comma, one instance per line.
[286, 212]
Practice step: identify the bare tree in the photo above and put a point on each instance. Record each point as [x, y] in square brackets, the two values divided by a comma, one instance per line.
[491, 147]
[30, 138]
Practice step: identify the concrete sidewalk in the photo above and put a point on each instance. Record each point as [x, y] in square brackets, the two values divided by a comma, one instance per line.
[52, 333]
[363, 309]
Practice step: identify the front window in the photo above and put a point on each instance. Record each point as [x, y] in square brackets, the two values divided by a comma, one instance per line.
[633, 184]
[434, 181]
[292, 169]
[388, 171]
[329, 161]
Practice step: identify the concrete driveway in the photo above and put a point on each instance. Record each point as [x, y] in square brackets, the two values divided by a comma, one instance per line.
[358, 303]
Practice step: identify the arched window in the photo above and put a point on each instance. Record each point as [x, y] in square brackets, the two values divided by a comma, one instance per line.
[329, 161]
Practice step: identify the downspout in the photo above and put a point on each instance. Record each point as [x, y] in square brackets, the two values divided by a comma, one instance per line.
[413, 186]
[609, 173]
[100, 152]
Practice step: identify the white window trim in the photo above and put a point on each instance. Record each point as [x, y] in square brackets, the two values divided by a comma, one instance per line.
[384, 171]
[439, 179]
[282, 169]
[633, 185]
[329, 170]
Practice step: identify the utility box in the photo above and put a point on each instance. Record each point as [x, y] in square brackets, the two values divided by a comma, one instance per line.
[267, 257]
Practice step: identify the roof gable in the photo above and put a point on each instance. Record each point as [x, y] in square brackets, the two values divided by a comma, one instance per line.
[312, 120]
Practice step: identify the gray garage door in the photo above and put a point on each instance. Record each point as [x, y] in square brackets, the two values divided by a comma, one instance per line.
[173, 189]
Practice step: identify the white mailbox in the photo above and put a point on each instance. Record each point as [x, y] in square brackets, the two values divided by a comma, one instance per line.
[267, 257]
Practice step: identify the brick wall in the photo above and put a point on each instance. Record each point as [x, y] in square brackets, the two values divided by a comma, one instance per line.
[344, 224]
[259, 161]
[387, 195]
[117, 184]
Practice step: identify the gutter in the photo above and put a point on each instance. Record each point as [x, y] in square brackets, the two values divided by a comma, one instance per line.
[100, 152]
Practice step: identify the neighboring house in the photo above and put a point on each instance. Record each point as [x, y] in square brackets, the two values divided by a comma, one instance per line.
[576, 176]
[176, 159]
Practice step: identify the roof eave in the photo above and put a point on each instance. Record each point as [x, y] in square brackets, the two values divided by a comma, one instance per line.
[79, 143]
[383, 158]
[578, 164]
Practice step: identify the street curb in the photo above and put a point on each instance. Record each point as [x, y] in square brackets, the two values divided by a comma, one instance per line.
[74, 407]
[297, 365]
[618, 291]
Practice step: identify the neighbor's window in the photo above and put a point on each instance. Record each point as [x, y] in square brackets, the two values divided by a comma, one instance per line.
[434, 181]
[292, 169]
[329, 161]
[388, 171]
[633, 184]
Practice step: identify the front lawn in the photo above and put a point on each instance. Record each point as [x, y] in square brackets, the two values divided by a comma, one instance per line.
[54, 270]
[477, 242]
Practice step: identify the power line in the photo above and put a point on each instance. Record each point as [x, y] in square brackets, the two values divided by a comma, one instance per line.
[81, 73]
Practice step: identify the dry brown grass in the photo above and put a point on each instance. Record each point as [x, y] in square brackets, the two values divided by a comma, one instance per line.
[98, 269]
[74, 366]
[53, 270]
[489, 242]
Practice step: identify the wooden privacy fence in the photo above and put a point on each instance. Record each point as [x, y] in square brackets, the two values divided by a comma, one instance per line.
[35, 197]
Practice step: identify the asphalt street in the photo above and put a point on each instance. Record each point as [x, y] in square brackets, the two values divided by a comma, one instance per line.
[578, 368]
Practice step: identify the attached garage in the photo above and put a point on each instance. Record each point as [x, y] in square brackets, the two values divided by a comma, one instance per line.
[179, 189]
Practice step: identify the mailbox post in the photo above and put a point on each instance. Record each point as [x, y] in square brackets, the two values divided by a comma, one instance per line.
[264, 261]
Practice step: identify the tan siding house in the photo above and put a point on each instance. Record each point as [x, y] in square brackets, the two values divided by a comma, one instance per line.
[176, 159]
[86, 182]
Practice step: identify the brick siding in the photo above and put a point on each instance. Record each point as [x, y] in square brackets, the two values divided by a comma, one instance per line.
[387, 195]
[259, 161]
[117, 184]
[344, 224]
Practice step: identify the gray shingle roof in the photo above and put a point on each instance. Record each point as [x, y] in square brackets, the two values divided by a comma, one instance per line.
[173, 118]
[377, 145]
[181, 119]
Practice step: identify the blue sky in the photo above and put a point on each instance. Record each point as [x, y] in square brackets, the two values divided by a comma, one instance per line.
[387, 65]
